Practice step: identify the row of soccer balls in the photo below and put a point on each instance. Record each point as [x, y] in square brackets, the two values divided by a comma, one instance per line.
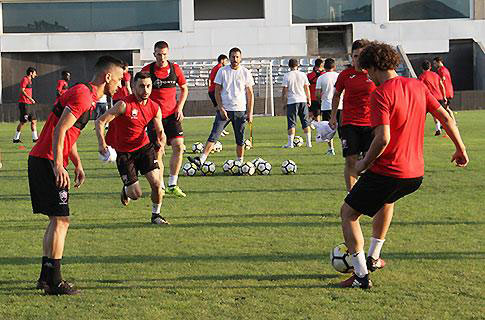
[235, 168]
[198, 147]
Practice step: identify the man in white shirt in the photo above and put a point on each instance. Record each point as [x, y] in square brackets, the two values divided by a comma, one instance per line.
[235, 101]
[325, 89]
[296, 96]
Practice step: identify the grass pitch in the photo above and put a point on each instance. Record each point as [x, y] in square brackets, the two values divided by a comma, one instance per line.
[248, 247]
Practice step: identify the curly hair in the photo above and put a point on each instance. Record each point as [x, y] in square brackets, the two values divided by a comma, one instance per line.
[380, 56]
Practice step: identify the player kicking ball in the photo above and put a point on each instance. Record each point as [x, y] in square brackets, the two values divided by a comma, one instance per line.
[394, 165]
[135, 153]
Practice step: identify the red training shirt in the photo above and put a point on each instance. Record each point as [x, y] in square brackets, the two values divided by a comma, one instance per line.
[358, 87]
[443, 72]
[62, 86]
[166, 97]
[402, 104]
[123, 91]
[432, 82]
[78, 99]
[126, 132]
[312, 78]
[25, 83]
[212, 77]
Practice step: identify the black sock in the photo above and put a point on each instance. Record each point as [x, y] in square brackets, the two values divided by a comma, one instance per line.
[53, 272]
[43, 270]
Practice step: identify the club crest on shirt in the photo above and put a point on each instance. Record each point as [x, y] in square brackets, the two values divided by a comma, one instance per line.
[134, 114]
[63, 197]
[352, 76]
[344, 144]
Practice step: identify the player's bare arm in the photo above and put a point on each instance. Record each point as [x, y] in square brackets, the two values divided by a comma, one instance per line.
[219, 102]
[184, 92]
[22, 90]
[162, 138]
[118, 109]
[66, 121]
[318, 93]
[284, 96]
[79, 175]
[308, 96]
[128, 87]
[443, 90]
[460, 157]
[335, 102]
[250, 102]
[382, 137]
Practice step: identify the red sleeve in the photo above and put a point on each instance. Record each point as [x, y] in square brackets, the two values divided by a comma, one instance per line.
[60, 85]
[421, 77]
[24, 82]
[180, 75]
[380, 112]
[213, 73]
[79, 101]
[340, 84]
[146, 68]
[431, 103]
[127, 76]
[440, 73]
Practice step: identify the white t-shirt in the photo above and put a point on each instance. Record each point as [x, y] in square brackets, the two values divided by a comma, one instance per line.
[234, 84]
[326, 82]
[295, 81]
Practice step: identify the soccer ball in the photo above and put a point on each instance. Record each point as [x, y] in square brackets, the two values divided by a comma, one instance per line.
[217, 146]
[341, 259]
[235, 170]
[247, 169]
[189, 169]
[227, 166]
[264, 168]
[109, 155]
[288, 167]
[247, 144]
[298, 141]
[197, 147]
[257, 161]
[208, 168]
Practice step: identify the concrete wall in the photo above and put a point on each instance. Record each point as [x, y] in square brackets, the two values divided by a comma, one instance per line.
[479, 65]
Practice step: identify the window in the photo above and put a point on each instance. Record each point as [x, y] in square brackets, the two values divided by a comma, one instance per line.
[322, 11]
[223, 9]
[90, 16]
[428, 9]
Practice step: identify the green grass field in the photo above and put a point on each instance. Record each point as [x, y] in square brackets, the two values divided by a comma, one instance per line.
[248, 247]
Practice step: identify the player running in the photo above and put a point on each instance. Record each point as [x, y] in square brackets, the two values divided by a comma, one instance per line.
[394, 166]
[165, 76]
[445, 76]
[135, 153]
[48, 179]
[26, 101]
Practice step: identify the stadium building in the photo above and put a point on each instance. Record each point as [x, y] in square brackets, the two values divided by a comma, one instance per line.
[69, 34]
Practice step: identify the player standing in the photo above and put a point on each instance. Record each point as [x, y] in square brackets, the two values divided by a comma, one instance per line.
[235, 102]
[394, 165]
[135, 153]
[356, 132]
[125, 89]
[445, 76]
[296, 97]
[63, 84]
[48, 179]
[165, 76]
[312, 78]
[221, 62]
[25, 105]
[435, 86]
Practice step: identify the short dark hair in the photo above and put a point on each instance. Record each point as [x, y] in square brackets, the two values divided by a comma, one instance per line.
[106, 62]
[438, 59]
[293, 63]
[142, 75]
[329, 64]
[359, 44]
[426, 65]
[380, 56]
[64, 73]
[30, 70]
[318, 62]
[234, 50]
[221, 57]
[160, 45]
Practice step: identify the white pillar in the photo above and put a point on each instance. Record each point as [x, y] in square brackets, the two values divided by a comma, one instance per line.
[380, 11]
[186, 15]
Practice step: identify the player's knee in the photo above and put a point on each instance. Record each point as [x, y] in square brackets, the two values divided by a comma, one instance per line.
[61, 222]
[348, 214]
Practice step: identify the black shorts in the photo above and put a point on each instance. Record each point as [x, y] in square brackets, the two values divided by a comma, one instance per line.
[142, 160]
[172, 127]
[372, 191]
[46, 197]
[27, 112]
[355, 139]
[448, 101]
[315, 107]
[212, 96]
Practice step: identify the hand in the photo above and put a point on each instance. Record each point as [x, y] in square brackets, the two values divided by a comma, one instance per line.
[103, 149]
[460, 158]
[445, 100]
[179, 116]
[33, 101]
[360, 166]
[308, 104]
[223, 113]
[79, 177]
[62, 177]
[333, 123]
[250, 117]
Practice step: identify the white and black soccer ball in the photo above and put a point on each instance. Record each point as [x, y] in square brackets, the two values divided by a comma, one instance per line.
[247, 144]
[197, 147]
[235, 170]
[217, 147]
[341, 259]
[109, 155]
[247, 169]
[264, 168]
[289, 167]
[208, 168]
[227, 166]
[257, 161]
[298, 141]
[189, 169]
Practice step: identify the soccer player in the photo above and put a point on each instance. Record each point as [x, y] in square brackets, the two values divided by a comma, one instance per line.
[394, 166]
[135, 153]
[25, 105]
[221, 62]
[312, 78]
[165, 76]
[235, 102]
[296, 96]
[325, 89]
[125, 89]
[445, 76]
[436, 87]
[48, 179]
[63, 84]
[356, 133]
